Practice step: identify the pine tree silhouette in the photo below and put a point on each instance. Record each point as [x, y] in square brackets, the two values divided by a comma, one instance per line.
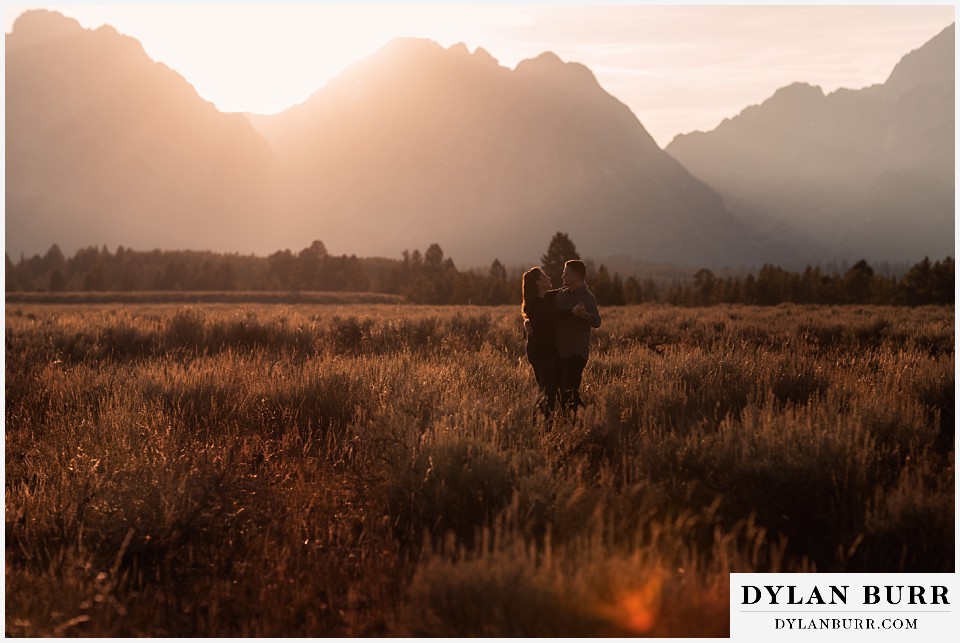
[560, 250]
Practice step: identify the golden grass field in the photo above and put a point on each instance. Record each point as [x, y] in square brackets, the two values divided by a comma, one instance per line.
[377, 470]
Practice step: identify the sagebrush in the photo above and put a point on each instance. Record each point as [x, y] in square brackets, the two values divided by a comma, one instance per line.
[359, 470]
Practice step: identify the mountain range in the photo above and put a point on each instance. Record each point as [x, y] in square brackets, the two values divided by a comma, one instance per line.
[105, 146]
[857, 173]
[418, 144]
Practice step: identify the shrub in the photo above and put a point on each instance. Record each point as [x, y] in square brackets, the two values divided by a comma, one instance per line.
[318, 471]
[186, 330]
[456, 484]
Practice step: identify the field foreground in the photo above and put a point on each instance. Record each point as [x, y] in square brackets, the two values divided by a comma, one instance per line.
[378, 470]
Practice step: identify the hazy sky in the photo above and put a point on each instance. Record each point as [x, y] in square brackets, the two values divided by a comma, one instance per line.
[679, 68]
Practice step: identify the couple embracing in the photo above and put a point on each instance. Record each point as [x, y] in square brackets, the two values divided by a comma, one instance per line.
[558, 324]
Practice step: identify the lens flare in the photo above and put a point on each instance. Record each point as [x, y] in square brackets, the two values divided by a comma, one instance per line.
[635, 609]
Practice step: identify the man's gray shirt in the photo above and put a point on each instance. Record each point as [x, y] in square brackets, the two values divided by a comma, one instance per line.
[573, 333]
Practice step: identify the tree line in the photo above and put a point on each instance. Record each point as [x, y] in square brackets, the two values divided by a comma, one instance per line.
[431, 278]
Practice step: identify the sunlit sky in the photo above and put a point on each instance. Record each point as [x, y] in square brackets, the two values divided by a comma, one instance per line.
[679, 68]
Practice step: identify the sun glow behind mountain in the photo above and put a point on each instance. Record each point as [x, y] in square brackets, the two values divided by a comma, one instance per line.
[679, 68]
[264, 59]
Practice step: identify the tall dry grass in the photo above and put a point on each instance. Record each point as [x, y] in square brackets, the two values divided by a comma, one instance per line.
[379, 470]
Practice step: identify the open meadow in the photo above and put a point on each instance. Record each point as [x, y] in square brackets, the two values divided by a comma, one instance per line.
[378, 470]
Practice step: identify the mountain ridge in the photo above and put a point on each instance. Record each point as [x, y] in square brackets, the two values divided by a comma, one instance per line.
[411, 145]
[864, 172]
[106, 146]
[542, 142]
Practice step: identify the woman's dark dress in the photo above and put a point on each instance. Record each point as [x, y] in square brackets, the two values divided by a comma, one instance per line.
[542, 349]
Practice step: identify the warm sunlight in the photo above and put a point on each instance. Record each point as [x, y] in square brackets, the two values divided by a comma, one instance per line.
[635, 610]
[441, 146]
[661, 61]
[252, 58]
[479, 321]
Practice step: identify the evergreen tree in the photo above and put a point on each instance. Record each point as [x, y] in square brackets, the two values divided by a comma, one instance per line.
[631, 291]
[560, 250]
[927, 283]
[54, 259]
[942, 277]
[433, 257]
[130, 281]
[56, 281]
[495, 289]
[319, 249]
[601, 286]
[225, 278]
[617, 297]
[309, 267]
[497, 271]
[10, 275]
[94, 279]
[858, 281]
[704, 283]
[283, 269]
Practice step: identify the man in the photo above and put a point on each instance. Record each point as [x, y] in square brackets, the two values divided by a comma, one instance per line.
[573, 333]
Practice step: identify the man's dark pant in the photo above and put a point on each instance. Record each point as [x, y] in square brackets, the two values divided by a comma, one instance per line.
[571, 374]
[547, 372]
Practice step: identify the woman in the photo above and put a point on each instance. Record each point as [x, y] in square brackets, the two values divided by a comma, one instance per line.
[542, 336]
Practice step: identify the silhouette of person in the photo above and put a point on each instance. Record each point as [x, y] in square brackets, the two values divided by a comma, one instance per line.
[540, 321]
[573, 332]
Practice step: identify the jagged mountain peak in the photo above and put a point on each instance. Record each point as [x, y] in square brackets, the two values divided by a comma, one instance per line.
[408, 57]
[409, 46]
[459, 48]
[934, 62]
[798, 91]
[417, 51]
[40, 25]
[549, 65]
[417, 143]
[545, 59]
[483, 55]
[794, 101]
[410, 50]
[867, 172]
[479, 54]
[106, 145]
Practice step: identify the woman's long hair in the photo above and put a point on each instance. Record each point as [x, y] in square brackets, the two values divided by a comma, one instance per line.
[528, 287]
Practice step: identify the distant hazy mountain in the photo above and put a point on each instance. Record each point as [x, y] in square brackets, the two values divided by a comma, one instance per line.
[412, 145]
[105, 146]
[419, 143]
[867, 173]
